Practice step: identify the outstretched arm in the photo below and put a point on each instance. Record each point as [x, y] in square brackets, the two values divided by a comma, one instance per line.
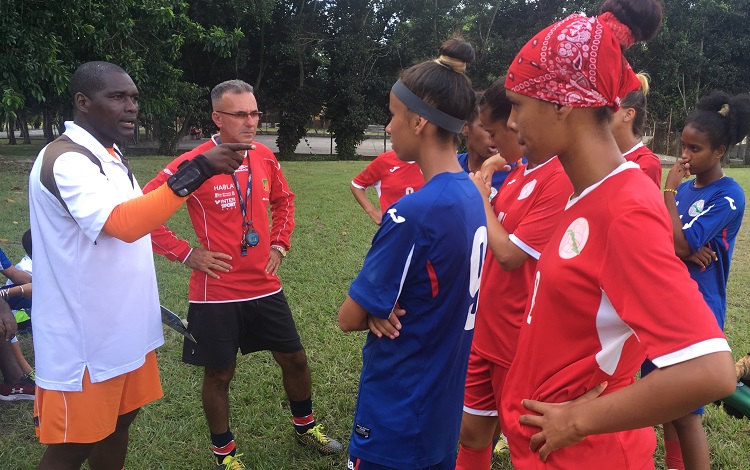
[137, 217]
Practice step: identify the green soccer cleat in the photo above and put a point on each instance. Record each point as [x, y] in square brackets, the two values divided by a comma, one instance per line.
[500, 448]
[231, 462]
[316, 439]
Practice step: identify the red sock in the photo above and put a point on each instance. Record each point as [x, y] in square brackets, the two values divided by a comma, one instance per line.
[473, 459]
[673, 455]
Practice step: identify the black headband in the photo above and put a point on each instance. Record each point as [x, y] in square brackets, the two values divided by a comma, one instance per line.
[432, 114]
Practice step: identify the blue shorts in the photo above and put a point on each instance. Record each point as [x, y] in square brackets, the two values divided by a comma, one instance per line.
[647, 367]
[358, 464]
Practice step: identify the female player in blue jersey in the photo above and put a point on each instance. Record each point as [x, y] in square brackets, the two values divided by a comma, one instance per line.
[425, 265]
[706, 214]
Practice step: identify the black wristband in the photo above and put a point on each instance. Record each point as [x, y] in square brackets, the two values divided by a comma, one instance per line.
[190, 175]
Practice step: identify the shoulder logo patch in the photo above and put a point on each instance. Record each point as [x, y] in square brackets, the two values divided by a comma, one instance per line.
[696, 208]
[396, 218]
[731, 202]
[527, 190]
[574, 239]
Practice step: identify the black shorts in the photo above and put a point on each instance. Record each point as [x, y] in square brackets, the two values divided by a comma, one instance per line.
[263, 324]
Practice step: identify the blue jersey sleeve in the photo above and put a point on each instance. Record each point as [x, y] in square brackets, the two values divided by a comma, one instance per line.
[703, 218]
[4, 261]
[379, 283]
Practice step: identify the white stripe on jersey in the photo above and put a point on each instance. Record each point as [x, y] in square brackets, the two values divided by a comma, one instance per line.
[523, 246]
[406, 270]
[691, 352]
[613, 332]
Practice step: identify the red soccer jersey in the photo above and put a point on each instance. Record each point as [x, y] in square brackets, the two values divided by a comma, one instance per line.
[647, 160]
[391, 177]
[528, 206]
[215, 213]
[608, 292]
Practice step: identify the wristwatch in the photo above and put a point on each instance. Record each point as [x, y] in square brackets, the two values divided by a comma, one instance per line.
[280, 249]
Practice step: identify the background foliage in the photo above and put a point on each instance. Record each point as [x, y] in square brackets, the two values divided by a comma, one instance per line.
[334, 59]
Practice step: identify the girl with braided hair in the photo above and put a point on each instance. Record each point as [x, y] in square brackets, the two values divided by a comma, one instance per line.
[570, 399]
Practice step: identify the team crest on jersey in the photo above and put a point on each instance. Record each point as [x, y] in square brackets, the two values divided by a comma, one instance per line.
[574, 239]
[696, 208]
[527, 190]
[265, 185]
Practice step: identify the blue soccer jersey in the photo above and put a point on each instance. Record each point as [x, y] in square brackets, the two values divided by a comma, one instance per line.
[427, 256]
[711, 216]
[4, 261]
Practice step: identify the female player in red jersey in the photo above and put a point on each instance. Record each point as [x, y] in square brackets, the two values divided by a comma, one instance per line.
[628, 124]
[392, 179]
[608, 288]
[519, 222]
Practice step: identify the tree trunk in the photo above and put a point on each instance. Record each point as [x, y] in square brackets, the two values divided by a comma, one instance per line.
[12, 131]
[22, 118]
[47, 125]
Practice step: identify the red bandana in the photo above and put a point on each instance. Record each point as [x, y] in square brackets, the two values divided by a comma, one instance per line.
[576, 62]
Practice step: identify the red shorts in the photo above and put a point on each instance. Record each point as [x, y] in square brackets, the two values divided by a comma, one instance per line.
[91, 415]
[484, 383]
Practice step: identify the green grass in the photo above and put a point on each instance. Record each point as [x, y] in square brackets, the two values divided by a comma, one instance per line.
[329, 243]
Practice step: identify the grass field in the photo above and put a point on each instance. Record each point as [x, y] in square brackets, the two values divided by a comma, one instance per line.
[329, 244]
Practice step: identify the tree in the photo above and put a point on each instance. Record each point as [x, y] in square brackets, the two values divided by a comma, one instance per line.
[702, 46]
[293, 85]
[29, 59]
[357, 73]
